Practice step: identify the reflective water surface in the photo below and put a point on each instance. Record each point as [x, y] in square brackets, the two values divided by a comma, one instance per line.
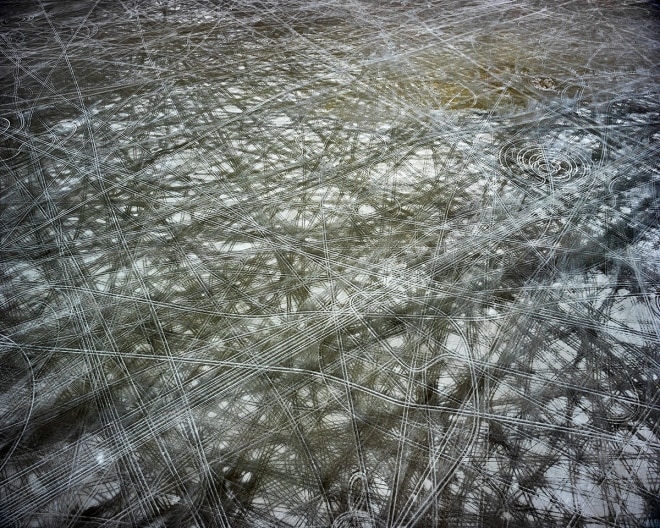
[340, 263]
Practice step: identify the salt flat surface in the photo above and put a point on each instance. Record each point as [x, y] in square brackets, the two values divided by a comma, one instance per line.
[329, 264]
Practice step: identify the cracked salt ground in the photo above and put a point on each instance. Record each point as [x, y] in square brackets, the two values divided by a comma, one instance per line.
[333, 264]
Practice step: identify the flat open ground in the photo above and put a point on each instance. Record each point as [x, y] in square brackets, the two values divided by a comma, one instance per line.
[341, 263]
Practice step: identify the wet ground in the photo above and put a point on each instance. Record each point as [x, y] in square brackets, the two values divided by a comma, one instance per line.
[334, 263]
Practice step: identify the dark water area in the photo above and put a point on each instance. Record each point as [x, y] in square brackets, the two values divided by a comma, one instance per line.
[340, 263]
